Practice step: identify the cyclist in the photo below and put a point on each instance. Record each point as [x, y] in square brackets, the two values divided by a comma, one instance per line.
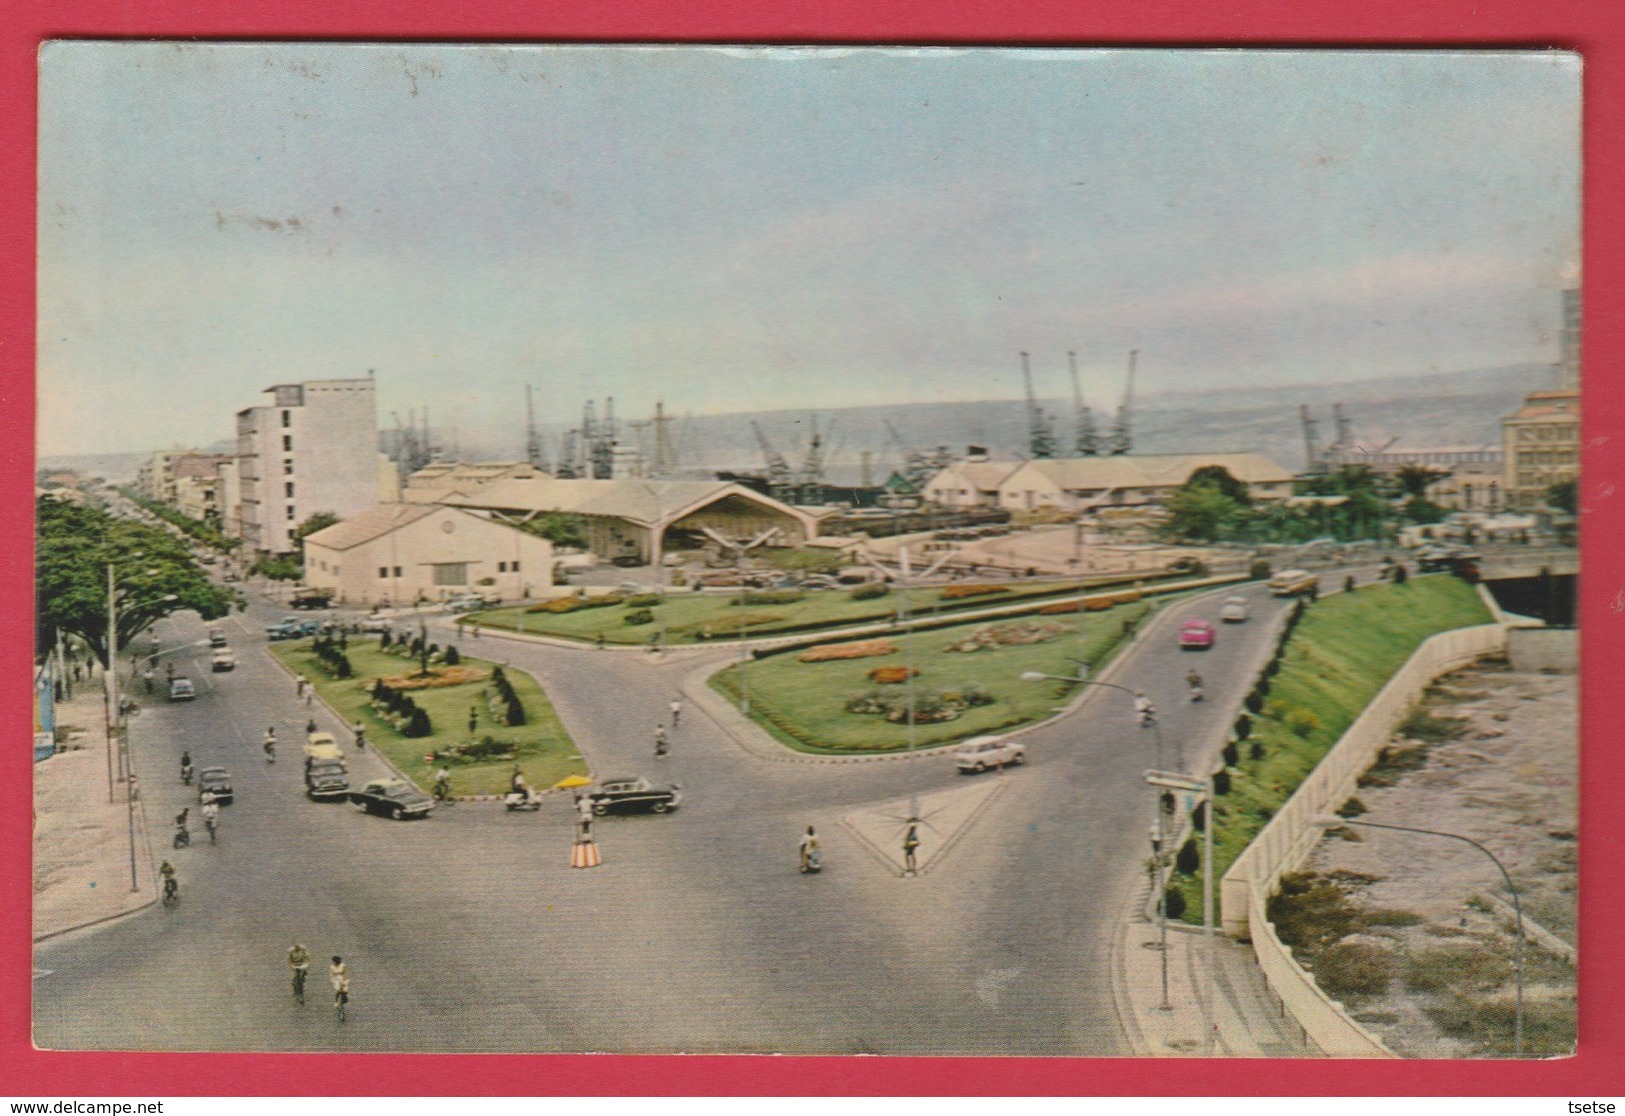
[270, 745]
[186, 768]
[211, 815]
[676, 711]
[1144, 710]
[660, 741]
[172, 890]
[299, 962]
[1194, 681]
[809, 847]
[442, 784]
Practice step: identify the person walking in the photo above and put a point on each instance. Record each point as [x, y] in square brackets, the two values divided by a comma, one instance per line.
[360, 736]
[583, 818]
[660, 742]
[474, 630]
[598, 641]
[1348, 584]
[299, 962]
[911, 842]
[676, 711]
[473, 720]
[1144, 710]
[338, 975]
[299, 685]
[1194, 681]
[310, 726]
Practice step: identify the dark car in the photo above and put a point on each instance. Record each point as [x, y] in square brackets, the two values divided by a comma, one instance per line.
[627, 561]
[217, 637]
[215, 781]
[632, 795]
[395, 798]
[327, 779]
[311, 598]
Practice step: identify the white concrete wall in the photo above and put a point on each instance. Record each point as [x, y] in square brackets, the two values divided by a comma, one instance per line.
[1287, 840]
[1551, 649]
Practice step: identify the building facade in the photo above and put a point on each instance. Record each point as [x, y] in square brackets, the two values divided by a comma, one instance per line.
[398, 554]
[1084, 484]
[308, 448]
[1542, 440]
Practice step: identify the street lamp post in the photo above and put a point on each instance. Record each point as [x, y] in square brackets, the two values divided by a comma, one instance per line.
[1151, 721]
[1162, 906]
[1332, 821]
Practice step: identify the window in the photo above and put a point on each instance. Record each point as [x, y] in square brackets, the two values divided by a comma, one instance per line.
[383, 571]
[451, 573]
[502, 567]
[287, 443]
[289, 489]
[287, 419]
[513, 567]
[290, 512]
[287, 467]
[397, 571]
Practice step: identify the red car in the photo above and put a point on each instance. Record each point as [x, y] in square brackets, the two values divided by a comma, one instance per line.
[1197, 634]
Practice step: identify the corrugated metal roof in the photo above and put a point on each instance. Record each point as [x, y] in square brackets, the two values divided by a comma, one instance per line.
[370, 524]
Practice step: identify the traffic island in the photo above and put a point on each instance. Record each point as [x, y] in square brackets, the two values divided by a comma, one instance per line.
[937, 822]
[478, 719]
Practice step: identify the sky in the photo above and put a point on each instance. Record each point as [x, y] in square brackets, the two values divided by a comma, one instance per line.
[740, 229]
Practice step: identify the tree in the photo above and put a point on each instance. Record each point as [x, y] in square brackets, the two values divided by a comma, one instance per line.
[1217, 476]
[318, 522]
[559, 529]
[1413, 480]
[1201, 512]
[1419, 509]
[1564, 496]
[74, 549]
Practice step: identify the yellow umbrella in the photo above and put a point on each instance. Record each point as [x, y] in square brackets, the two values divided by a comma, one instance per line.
[572, 781]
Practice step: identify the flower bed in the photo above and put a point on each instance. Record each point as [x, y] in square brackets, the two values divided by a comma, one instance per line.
[440, 676]
[960, 592]
[892, 675]
[1008, 635]
[828, 652]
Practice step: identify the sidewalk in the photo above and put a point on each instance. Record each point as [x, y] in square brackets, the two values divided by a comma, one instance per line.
[81, 841]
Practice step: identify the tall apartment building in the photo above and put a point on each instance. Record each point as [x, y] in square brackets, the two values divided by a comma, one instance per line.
[1542, 437]
[309, 448]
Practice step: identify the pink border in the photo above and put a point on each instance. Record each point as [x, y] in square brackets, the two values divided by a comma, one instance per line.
[1594, 28]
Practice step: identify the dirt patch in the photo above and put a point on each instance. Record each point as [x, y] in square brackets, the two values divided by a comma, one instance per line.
[1427, 962]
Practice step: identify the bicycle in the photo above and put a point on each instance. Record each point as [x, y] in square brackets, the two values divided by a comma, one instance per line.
[208, 823]
[183, 837]
[299, 974]
[172, 892]
[341, 999]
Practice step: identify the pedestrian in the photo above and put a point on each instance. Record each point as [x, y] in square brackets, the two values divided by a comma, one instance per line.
[474, 630]
[1144, 710]
[660, 742]
[473, 719]
[299, 685]
[146, 680]
[169, 669]
[676, 711]
[1194, 681]
[598, 641]
[77, 670]
[1348, 584]
[517, 783]
[911, 842]
[583, 818]
[310, 726]
[360, 737]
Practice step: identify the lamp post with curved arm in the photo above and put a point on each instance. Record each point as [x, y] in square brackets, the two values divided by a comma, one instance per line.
[1147, 716]
[1332, 821]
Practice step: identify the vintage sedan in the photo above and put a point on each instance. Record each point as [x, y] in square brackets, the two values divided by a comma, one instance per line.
[982, 752]
[215, 781]
[633, 795]
[1235, 610]
[395, 798]
[1197, 635]
[327, 779]
[222, 658]
[217, 637]
[181, 689]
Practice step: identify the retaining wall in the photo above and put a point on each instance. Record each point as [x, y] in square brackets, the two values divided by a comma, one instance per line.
[1552, 649]
[1286, 841]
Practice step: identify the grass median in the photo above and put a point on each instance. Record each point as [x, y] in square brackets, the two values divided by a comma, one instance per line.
[542, 748]
[687, 616]
[1344, 651]
[806, 704]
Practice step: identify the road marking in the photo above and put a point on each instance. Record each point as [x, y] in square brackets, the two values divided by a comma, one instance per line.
[40, 974]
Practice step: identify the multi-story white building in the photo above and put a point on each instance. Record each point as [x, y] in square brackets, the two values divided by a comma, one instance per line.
[309, 448]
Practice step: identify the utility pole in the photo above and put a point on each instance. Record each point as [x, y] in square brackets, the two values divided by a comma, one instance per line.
[533, 442]
[1083, 440]
[1122, 432]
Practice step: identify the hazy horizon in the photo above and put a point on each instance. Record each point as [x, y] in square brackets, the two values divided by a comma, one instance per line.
[760, 229]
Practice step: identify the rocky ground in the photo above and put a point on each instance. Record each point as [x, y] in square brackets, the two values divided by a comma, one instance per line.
[1412, 932]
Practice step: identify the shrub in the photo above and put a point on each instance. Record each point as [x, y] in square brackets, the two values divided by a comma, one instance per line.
[1353, 808]
[1060, 607]
[384, 639]
[453, 656]
[870, 701]
[1422, 725]
[960, 592]
[1302, 722]
[1244, 727]
[1259, 570]
[515, 713]
[1221, 782]
[1231, 755]
[1173, 901]
[1353, 969]
[639, 616]
[892, 675]
[1188, 860]
[1255, 751]
[418, 723]
[769, 597]
[644, 600]
[972, 694]
[873, 591]
[1254, 703]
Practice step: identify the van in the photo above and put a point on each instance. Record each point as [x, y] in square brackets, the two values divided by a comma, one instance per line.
[1293, 583]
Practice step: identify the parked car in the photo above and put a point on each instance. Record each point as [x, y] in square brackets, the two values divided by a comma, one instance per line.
[720, 579]
[1197, 635]
[627, 561]
[982, 752]
[293, 627]
[217, 637]
[181, 689]
[327, 778]
[633, 794]
[222, 658]
[215, 781]
[1293, 583]
[395, 798]
[311, 598]
[818, 581]
[1235, 610]
[466, 602]
[376, 624]
[322, 746]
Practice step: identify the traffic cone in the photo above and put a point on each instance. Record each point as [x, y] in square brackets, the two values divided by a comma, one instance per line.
[584, 854]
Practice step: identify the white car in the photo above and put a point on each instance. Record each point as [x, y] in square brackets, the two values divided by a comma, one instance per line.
[1234, 610]
[982, 752]
[466, 602]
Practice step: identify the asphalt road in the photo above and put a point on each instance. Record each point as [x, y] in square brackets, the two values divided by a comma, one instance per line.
[469, 931]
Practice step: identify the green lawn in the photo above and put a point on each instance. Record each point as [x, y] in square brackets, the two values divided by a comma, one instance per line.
[1345, 650]
[688, 617]
[545, 751]
[803, 704]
